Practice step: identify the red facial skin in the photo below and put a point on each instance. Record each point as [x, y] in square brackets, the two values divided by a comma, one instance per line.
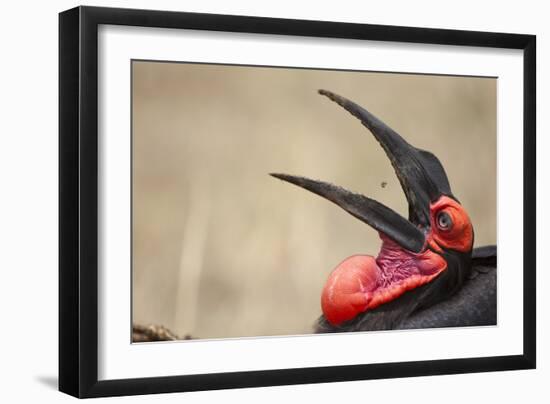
[362, 282]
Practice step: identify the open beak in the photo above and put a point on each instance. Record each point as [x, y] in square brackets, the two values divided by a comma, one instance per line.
[420, 174]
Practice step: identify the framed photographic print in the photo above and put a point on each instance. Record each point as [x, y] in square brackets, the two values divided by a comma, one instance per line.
[251, 201]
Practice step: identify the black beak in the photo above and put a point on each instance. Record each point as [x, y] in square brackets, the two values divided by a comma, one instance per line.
[420, 173]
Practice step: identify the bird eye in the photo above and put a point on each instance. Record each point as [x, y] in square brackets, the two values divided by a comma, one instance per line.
[444, 221]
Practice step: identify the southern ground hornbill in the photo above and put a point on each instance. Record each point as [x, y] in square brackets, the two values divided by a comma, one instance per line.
[427, 273]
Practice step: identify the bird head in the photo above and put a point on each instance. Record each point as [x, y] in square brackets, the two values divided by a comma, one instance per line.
[430, 251]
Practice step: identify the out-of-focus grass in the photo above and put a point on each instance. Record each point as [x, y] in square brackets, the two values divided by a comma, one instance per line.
[221, 249]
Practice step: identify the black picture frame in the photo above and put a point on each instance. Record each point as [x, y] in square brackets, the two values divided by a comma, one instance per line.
[78, 200]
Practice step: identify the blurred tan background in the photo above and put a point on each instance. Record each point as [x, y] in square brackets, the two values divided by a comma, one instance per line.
[220, 248]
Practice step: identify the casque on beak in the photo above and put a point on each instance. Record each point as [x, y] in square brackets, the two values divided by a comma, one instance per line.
[420, 174]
